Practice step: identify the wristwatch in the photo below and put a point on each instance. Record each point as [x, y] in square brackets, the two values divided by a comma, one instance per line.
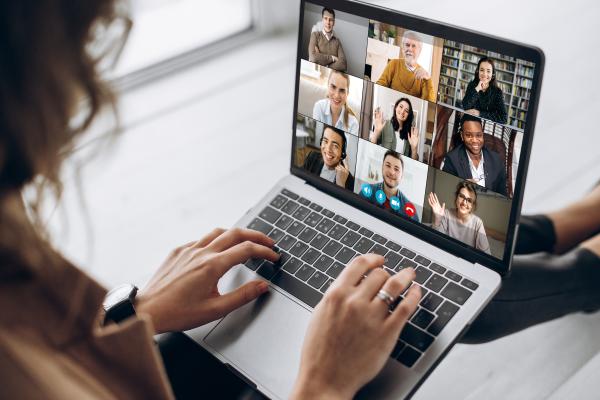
[118, 303]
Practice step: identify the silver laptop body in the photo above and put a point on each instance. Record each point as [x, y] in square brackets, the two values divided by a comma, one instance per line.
[261, 342]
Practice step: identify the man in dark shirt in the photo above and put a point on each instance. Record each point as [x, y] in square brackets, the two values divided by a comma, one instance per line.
[329, 164]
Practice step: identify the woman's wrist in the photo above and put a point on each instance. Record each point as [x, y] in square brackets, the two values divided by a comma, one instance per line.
[314, 389]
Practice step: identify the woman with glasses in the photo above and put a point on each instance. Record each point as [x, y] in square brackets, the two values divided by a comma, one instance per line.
[460, 222]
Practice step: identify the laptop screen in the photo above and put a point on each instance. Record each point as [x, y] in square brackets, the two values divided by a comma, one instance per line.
[428, 128]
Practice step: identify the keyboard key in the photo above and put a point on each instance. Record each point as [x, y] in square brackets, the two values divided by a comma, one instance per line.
[284, 222]
[323, 262]
[352, 225]
[327, 213]
[363, 245]
[307, 235]
[301, 213]
[379, 249]
[399, 265]
[305, 272]
[456, 293]
[254, 263]
[326, 286]
[431, 301]
[389, 271]
[267, 269]
[422, 274]
[289, 193]
[304, 201]
[290, 207]
[287, 242]
[340, 219]
[313, 219]
[436, 283]
[392, 259]
[298, 248]
[422, 260]
[276, 234]
[416, 337]
[337, 231]
[270, 214]
[408, 253]
[292, 265]
[365, 232]
[316, 207]
[408, 356]
[469, 284]
[278, 201]
[406, 263]
[379, 239]
[318, 279]
[295, 228]
[311, 256]
[319, 241]
[297, 289]
[260, 225]
[345, 255]
[454, 276]
[445, 314]
[335, 270]
[437, 268]
[283, 257]
[350, 238]
[397, 349]
[393, 246]
[325, 225]
[332, 248]
[422, 318]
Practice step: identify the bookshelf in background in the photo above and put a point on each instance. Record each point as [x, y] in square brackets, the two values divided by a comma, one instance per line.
[514, 77]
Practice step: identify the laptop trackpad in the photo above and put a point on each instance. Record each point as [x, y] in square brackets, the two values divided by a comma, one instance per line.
[263, 340]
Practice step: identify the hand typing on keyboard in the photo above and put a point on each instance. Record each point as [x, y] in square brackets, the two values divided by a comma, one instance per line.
[183, 293]
[352, 331]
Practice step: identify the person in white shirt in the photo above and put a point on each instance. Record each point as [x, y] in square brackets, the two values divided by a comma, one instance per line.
[334, 110]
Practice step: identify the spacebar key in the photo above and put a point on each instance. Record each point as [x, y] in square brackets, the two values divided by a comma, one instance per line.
[296, 288]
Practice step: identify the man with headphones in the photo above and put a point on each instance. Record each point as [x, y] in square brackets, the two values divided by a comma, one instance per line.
[329, 164]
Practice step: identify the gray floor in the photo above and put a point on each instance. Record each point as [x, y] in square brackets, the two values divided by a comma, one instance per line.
[200, 147]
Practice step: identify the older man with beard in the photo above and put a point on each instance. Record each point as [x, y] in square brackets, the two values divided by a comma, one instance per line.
[405, 74]
[387, 194]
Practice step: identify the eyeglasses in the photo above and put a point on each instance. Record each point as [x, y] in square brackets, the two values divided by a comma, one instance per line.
[471, 135]
[109, 41]
[462, 197]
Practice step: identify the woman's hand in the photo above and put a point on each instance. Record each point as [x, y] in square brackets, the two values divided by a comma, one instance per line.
[413, 140]
[473, 111]
[352, 332]
[341, 174]
[379, 123]
[183, 293]
[482, 86]
[438, 210]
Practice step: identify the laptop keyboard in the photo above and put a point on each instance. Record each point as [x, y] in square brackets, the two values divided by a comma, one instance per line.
[316, 244]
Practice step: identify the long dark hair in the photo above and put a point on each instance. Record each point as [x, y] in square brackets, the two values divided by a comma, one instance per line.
[493, 82]
[409, 120]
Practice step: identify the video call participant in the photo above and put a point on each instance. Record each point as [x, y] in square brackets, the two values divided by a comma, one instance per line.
[387, 194]
[404, 74]
[324, 48]
[398, 133]
[483, 97]
[334, 110]
[472, 161]
[330, 164]
[460, 223]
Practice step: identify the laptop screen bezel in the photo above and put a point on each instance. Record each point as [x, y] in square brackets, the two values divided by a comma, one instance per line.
[461, 35]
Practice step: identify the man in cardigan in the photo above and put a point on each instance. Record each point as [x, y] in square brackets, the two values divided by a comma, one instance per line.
[471, 160]
[329, 164]
[324, 48]
[405, 74]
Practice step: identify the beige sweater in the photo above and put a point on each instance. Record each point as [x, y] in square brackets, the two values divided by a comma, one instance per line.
[321, 50]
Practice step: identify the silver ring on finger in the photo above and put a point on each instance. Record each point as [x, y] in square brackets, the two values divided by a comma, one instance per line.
[386, 297]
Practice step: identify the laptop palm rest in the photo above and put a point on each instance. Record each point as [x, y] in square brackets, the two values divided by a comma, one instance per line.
[263, 340]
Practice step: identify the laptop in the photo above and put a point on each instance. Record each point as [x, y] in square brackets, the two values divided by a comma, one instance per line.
[410, 139]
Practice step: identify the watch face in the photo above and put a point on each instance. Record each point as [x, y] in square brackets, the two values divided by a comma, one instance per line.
[118, 295]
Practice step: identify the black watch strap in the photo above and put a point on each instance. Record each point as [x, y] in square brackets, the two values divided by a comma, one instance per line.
[118, 304]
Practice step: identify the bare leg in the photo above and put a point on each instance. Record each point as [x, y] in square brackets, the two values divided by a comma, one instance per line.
[577, 222]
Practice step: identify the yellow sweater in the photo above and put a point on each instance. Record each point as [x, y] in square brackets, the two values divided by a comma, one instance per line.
[398, 77]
